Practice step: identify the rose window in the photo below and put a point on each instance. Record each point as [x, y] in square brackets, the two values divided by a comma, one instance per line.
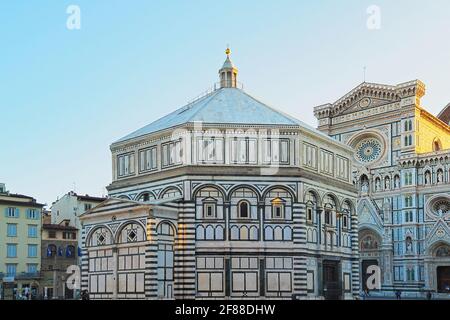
[368, 150]
[441, 207]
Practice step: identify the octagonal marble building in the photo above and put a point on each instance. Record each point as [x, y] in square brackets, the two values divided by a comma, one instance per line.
[225, 198]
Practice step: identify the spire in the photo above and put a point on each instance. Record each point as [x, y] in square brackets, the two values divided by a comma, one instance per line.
[228, 72]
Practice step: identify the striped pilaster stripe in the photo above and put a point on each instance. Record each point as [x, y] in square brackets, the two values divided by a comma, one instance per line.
[299, 219]
[151, 262]
[84, 262]
[299, 279]
[184, 264]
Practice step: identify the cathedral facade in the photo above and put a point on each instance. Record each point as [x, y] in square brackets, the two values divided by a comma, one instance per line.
[225, 198]
[402, 172]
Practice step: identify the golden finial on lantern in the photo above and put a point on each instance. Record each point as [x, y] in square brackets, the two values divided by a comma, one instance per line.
[228, 51]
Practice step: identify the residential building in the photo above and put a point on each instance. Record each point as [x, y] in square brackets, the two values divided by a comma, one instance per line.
[70, 207]
[20, 245]
[59, 252]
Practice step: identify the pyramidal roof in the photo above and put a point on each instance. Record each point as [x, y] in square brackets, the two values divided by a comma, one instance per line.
[226, 105]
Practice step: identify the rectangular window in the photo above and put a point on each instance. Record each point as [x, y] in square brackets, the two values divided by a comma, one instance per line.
[11, 250]
[310, 281]
[209, 210]
[87, 206]
[147, 159]
[32, 250]
[279, 282]
[309, 214]
[32, 268]
[409, 216]
[11, 230]
[32, 231]
[12, 212]
[277, 211]
[172, 153]
[243, 151]
[245, 281]
[275, 151]
[32, 214]
[310, 156]
[327, 217]
[326, 162]
[342, 167]
[210, 150]
[52, 234]
[125, 164]
[408, 178]
[11, 269]
[210, 281]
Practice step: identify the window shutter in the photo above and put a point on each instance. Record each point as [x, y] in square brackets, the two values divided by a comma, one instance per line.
[28, 213]
[6, 212]
[17, 212]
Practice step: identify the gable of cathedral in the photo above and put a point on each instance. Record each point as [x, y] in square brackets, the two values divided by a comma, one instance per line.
[367, 96]
[368, 216]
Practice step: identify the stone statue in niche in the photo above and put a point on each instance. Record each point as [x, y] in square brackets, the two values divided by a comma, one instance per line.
[440, 176]
[387, 183]
[365, 187]
[397, 182]
[427, 178]
[408, 245]
[377, 185]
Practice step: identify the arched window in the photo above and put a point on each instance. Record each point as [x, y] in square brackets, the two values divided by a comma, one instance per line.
[254, 233]
[268, 233]
[243, 233]
[100, 237]
[234, 234]
[408, 201]
[219, 233]
[200, 233]
[278, 234]
[209, 233]
[244, 209]
[165, 229]
[309, 235]
[51, 250]
[287, 234]
[145, 197]
[408, 140]
[70, 251]
[408, 125]
[132, 232]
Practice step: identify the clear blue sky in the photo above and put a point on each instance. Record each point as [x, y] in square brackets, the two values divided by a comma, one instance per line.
[66, 95]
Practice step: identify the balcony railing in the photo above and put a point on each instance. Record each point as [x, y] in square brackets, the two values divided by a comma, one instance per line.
[21, 275]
